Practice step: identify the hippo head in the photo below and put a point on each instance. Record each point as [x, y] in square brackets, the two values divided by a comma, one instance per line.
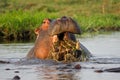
[50, 32]
[62, 25]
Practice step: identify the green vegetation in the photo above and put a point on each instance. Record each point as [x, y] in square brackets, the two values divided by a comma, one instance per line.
[19, 18]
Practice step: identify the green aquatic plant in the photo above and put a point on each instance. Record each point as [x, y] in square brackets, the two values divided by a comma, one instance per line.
[67, 51]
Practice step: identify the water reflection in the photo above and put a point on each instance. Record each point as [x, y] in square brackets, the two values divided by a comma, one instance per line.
[55, 73]
[105, 48]
[104, 45]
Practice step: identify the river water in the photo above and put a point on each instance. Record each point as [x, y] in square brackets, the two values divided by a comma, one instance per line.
[105, 49]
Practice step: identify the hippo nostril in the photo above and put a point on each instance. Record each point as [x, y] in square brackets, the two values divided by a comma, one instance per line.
[64, 18]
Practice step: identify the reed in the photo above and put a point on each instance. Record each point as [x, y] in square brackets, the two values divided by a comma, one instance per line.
[98, 23]
[19, 18]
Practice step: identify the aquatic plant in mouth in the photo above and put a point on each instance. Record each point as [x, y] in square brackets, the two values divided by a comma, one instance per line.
[67, 51]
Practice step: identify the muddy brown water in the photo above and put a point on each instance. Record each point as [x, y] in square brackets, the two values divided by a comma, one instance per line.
[104, 47]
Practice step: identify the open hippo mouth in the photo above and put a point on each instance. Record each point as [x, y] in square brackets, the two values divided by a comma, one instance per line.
[62, 25]
[65, 46]
[56, 40]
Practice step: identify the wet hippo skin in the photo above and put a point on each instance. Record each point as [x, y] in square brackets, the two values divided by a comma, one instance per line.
[42, 44]
[64, 28]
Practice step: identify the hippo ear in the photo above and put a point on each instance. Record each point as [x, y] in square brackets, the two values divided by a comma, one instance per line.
[64, 24]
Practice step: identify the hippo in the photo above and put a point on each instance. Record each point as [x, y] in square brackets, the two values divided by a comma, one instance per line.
[51, 31]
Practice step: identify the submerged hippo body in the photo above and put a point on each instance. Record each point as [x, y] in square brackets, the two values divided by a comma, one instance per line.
[64, 28]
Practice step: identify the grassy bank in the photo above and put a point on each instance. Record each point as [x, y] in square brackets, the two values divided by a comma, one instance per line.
[19, 18]
[18, 25]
